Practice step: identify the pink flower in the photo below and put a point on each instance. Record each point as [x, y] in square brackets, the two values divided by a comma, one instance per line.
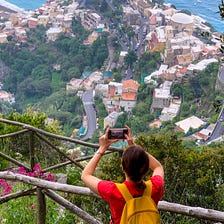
[50, 177]
[8, 189]
[2, 182]
[5, 186]
[41, 175]
[30, 174]
[32, 207]
[21, 170]
[37, 168]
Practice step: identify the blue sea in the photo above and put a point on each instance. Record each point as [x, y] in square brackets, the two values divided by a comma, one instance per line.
[207, 9]
[27, 4]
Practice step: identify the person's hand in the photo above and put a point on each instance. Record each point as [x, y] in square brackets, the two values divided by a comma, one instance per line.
[129, 137]
[105, 142]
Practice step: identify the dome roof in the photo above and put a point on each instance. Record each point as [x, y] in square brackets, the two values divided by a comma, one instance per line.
[182, 18]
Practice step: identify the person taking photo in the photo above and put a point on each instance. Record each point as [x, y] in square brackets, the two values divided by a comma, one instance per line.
[136, 163]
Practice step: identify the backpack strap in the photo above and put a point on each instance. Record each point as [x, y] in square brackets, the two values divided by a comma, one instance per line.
[148, 189]
[127, 195]
[124, 191]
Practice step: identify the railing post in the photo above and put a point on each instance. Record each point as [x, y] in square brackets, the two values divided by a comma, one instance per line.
[31, 149]
[41, 207]
[41, 200]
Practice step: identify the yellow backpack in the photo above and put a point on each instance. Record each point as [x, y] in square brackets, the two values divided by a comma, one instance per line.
[139, 210]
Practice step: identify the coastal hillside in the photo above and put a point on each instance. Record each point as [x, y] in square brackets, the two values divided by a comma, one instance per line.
[37, 70]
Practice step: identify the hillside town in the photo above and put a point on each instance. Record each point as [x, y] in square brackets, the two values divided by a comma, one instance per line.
[166, 29]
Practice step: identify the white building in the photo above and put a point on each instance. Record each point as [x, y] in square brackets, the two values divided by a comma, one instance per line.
[7, 97]
[111, 119]
[200, 66]
[162, 96]
[53, 33]
[101, 90]
[91, 20]
[191, 122]
[74, 84]
[168, 113]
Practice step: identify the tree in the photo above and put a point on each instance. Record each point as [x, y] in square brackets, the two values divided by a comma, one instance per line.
[117, 76]
[40, 72]
[147, 64]
[188, 171]
[138, 125]
[100, 108]
[130, 58]
[145, 91]
[114, 42]
[176, 90]
[76, 122]
[5, 108]
[130, 32]
[73, 72]
[218, 103]
[20, 144]
[185, 109]
[188, 93]
[121, 121]
[104, 6]
[78, 29]
[73, 104]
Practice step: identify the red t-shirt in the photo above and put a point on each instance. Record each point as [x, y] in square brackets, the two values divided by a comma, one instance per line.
[109, 192]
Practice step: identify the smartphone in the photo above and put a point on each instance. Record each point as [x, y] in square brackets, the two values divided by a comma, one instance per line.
[117, 133]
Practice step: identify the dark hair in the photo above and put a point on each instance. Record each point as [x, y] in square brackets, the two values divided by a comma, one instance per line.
[135, 163]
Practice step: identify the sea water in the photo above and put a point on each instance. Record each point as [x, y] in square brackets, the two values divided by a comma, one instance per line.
[27, 4]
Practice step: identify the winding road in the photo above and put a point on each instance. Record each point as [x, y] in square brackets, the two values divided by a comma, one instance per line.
[219, 128]
[89, 106]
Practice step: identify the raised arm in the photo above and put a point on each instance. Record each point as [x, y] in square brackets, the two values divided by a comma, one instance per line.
[87, 174]
[155, 166]
[129, 137]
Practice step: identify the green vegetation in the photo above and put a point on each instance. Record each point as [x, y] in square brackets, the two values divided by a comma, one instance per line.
[199, 95]
[65, 107]
[32, 73]
[147, 64]
[19, 146]
[130, 58]
[33, 76]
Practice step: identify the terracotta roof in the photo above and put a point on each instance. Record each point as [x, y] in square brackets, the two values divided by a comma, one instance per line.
[129, 96]
[129, 90]
[130, 84]
[183, 70]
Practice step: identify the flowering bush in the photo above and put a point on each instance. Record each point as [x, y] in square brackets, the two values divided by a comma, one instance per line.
[6, 188]
[37, 172]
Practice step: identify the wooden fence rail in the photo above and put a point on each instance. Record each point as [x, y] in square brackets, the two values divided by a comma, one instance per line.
[198, 212]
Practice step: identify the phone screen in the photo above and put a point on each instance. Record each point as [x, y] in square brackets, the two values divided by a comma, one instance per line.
[117, 133]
